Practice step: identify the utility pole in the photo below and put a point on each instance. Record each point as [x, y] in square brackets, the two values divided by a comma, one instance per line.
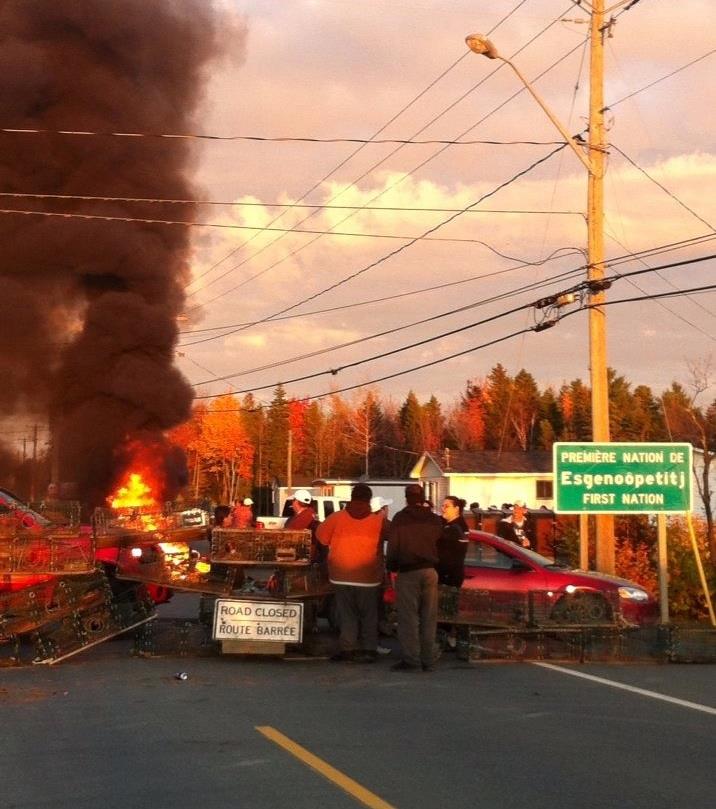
[595, 258]
[33, 474]
[595, 165]
[289, 461]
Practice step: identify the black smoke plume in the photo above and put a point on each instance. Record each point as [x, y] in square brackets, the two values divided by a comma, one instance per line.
[88, 308]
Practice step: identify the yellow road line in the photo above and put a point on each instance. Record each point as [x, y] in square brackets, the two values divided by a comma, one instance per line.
[353, 788]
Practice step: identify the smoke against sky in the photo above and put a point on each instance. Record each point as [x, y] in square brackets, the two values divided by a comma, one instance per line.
[89, 308]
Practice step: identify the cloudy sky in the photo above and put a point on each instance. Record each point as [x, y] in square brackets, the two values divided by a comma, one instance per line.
[395, 70]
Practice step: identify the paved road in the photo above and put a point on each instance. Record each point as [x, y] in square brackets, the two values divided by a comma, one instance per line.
[108, 730]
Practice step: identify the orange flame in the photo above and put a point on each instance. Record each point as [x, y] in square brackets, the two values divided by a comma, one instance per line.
[135, 493]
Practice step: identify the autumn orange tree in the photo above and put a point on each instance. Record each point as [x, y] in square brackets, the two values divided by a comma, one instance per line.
[219, 449]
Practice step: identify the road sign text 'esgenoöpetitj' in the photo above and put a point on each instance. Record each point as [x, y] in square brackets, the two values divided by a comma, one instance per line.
[622, 478]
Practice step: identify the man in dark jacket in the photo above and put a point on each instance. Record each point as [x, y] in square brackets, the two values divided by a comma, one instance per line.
[412, 552]
[517, 527]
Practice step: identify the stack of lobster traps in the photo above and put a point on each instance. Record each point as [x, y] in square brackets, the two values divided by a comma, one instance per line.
[502, 625]
[54, 600]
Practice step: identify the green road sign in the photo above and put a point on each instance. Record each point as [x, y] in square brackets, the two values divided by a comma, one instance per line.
[622, 478]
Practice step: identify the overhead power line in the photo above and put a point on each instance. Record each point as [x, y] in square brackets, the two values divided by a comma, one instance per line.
[129, 219]
[459, 310]
[362, 176]
[559, 253]
[402, 247]
[584, 285]
[470, 350]
[663, 188]
[245, 204]
[658, 81]
[394, 375]
[277, 139]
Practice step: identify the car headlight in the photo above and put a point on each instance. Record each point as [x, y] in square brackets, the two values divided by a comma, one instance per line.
[633, 594]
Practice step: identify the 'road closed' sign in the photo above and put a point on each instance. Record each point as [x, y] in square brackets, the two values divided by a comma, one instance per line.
[622, 478]
[271, 621]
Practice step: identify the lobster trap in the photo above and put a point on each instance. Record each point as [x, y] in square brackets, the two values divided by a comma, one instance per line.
[63, 616]
[175, 637]
[138, 526]
[248, 546]
[577, 644]
[176, 566]
[45, 551]
[533, 609]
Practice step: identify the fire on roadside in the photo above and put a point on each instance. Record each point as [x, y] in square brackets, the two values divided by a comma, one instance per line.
[134, 501]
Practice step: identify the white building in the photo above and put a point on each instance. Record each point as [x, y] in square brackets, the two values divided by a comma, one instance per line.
[489, 478]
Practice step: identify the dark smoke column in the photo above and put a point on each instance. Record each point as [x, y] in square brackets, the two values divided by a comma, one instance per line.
[88, 319]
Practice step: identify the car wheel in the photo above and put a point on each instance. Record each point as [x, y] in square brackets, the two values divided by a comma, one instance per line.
[582, 608]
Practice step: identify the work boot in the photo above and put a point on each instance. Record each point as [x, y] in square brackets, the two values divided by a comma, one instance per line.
[403, 665]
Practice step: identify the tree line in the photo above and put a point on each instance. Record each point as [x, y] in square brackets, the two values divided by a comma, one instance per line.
[234, 445]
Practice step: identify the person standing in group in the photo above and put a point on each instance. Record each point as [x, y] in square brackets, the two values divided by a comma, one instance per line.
[304, 519]
[453, 542]
[242, 515]
[517, 527]
[303, 515]
[354, 538]
[412, 552]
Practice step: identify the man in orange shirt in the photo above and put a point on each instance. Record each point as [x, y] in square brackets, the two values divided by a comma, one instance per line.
[354, 538]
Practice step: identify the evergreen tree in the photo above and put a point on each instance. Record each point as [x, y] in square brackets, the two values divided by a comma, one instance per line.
[276, 437]
[433, 423]
[411, 422]
[524, 409]
[498, 393]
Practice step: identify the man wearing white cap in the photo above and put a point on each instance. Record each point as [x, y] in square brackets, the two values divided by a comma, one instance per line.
[516, 527]
[242, 515]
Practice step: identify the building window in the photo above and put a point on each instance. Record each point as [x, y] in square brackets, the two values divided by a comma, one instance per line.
[544, 490]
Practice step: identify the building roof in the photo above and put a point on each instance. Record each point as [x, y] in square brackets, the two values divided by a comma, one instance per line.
[489, 462]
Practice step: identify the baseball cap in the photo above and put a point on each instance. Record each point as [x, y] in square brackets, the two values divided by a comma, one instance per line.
[248, 501]
[377, 503]
[303, 496]
[519, 503]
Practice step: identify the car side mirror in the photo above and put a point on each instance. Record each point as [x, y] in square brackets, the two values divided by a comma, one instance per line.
[518, 566]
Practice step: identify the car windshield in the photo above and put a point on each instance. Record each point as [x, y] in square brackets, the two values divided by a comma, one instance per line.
[533, 556]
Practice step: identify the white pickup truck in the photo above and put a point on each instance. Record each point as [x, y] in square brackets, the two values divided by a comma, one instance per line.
[322, 506]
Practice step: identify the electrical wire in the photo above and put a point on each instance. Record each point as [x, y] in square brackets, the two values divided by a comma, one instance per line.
[628, 256]
[355, 181]
[663, 188]
[427, 340]
[559, 253]
[389, 376]
[450, 356]
[658, 81]
[646, 87]
[242, 204]
[402, 247]
[129, 219]
[460, 310]
[279, 139]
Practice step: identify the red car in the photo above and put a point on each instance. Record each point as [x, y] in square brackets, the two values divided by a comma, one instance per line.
[521, 585]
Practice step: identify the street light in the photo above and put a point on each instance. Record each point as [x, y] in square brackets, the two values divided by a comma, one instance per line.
[594, 163]
[482, 45]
